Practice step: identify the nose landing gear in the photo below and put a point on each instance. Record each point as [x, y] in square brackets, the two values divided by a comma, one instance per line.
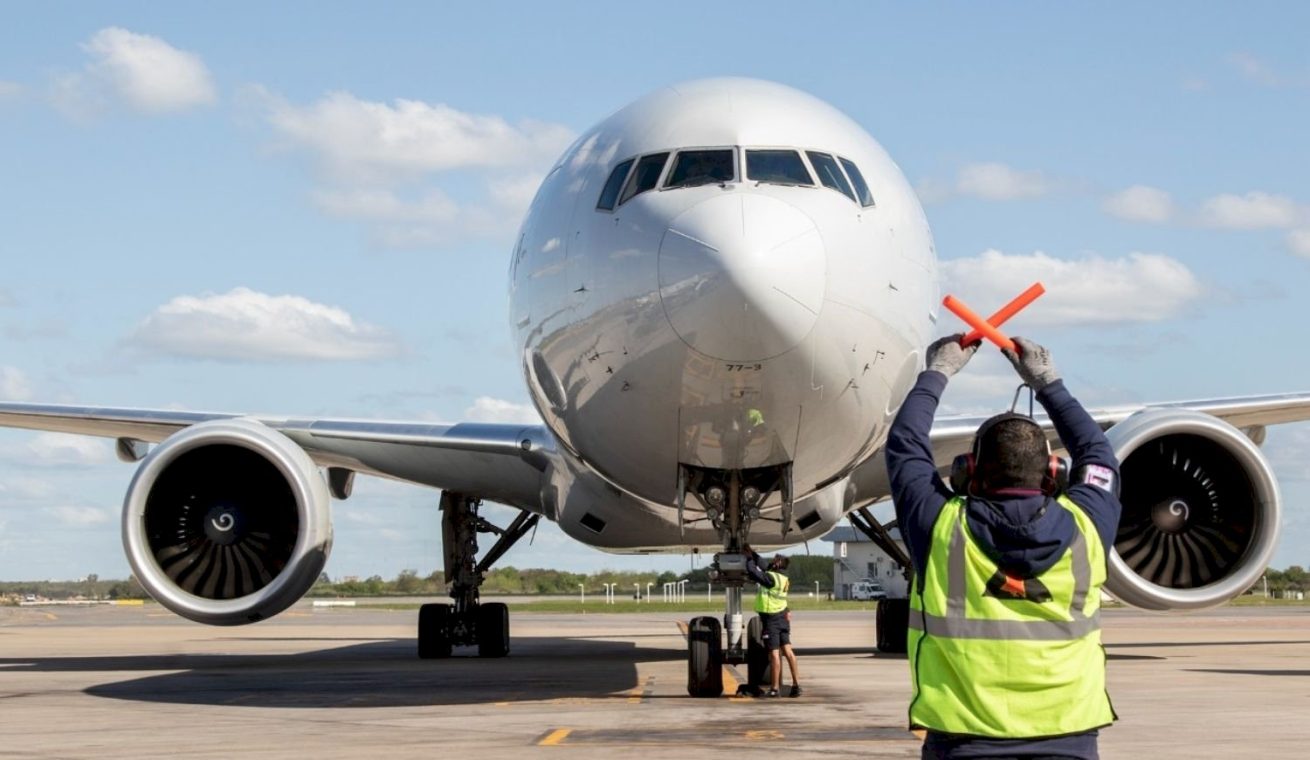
[732, 499]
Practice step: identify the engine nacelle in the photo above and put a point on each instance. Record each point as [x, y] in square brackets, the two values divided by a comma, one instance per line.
[1201, 511]
[227, 522]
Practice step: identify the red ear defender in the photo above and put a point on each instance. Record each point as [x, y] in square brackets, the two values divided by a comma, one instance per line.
[1057, 476]
[964, 468]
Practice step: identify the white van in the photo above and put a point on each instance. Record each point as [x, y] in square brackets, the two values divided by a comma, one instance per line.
[866, 590]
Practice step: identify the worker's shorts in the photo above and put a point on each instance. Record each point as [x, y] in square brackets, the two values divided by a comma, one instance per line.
[776, 629]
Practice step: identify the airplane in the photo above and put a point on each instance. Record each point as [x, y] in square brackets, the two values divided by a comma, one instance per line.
[721, 294]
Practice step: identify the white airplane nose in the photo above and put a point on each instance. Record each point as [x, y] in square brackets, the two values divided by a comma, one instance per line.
[742, 276]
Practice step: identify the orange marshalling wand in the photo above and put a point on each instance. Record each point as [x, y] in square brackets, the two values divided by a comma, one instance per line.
[986, 328]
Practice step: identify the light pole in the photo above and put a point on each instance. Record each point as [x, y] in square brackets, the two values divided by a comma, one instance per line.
[582, 593]
[648, 587]
[682, 590]
[816, 589]
[609, 592]
[638, 585]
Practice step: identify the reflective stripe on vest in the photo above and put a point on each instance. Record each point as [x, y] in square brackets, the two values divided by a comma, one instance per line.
[1004, 657]
[772, 600]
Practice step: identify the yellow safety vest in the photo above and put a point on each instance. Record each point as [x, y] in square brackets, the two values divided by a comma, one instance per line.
[772, 600]
[1002, 657]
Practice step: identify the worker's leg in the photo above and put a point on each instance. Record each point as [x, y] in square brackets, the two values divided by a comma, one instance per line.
[791, 664]
[775, 662]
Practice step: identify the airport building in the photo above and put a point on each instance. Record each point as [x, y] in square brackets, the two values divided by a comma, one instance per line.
[856, 558]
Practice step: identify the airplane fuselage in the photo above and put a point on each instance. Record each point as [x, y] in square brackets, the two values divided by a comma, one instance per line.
[738, 320]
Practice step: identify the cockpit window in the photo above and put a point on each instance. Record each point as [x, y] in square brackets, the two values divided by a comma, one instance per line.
[830, 174]
[609, 197]
[646, 176]
[782, 167]
[701, 167]
[857, 179]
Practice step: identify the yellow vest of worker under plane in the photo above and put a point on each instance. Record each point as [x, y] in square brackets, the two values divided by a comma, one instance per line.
[998, 656]
[773, 600]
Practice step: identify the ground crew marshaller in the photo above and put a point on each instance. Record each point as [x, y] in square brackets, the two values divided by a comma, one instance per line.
[1005, 640]
[772, 586]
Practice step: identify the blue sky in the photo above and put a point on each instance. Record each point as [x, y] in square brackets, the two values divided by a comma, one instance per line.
[343, 183]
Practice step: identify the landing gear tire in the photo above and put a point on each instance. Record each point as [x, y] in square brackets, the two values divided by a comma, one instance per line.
[757, 656]
[493, 629]
[434, 631]
[705, 657]
[892, 620]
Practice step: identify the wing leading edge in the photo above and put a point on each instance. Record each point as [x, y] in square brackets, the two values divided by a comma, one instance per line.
[503, 463]
[952, 436]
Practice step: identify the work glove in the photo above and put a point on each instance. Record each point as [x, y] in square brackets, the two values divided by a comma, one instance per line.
[947, 356]
[1033, 363]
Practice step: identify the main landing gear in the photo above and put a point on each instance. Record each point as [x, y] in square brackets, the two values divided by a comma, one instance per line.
[468, 622]
[732, 499]
[892, 618]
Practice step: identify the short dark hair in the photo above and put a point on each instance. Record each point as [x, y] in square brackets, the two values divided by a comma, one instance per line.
[779, 562]
[1012, 453]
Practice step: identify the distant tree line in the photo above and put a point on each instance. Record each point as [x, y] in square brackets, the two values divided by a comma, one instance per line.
[90, 587]
[804, 572]
[1294, 578]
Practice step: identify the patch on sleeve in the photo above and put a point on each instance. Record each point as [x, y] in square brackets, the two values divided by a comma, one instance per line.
[1100, 476]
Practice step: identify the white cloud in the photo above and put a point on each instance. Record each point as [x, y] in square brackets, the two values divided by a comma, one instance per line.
[79, 517]
[419, 174]
[1253, 211]
[1140, 287]
[66, 449]
[10, 90]
[143, 72]
[433, 206]
[487, 409]
[1257, 70]
[998, 182]
[1140, 203]
[513, 195]
[14, 385]
[367, 138]
[245, 325]
[1298, 242]
[989, 181]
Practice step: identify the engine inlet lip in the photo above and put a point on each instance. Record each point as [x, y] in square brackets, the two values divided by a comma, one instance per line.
[245, 433]
[1151, 424]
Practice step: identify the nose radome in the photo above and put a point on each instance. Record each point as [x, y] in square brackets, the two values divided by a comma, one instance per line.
[742, 276]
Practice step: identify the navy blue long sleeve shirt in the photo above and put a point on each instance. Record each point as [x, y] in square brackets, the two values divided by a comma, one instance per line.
[1014, 526]
[1024, 538]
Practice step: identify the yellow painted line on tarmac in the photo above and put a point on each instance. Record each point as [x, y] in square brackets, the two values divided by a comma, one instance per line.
[554, 738]
[130, 603]
[682, 628]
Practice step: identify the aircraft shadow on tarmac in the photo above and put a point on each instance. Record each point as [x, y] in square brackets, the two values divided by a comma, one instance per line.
[376, 673]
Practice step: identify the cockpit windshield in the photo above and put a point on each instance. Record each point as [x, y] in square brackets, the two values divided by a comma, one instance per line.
[702, 167]
[830, 174]
[780, 167]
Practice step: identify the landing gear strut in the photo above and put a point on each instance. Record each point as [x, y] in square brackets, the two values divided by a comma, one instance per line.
[892, 618]
[732, 500]
[468, 621]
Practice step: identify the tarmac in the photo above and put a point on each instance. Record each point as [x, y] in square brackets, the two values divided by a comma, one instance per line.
[123, 681]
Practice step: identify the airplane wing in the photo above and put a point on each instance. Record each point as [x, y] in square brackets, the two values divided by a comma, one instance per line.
[502, 463]
[952, 436]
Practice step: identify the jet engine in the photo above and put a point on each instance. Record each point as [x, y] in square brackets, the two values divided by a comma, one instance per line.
[1200, 511]
[227, 522]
